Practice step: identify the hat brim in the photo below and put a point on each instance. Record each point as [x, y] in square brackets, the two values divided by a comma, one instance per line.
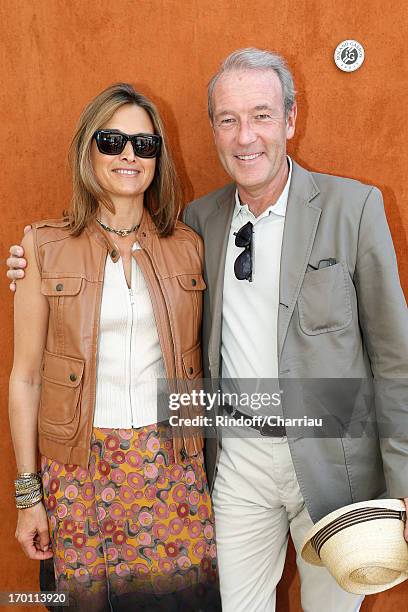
[308, 552]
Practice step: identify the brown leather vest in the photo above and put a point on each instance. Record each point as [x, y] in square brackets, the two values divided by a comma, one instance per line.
[72, 272]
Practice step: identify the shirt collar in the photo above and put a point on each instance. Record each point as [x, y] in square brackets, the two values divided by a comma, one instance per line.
[279, 208]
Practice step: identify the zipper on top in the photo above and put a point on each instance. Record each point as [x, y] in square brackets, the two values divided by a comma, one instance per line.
[160, 313]
[132, 302]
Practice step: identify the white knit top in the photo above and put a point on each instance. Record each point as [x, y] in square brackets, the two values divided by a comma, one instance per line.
[129, 354]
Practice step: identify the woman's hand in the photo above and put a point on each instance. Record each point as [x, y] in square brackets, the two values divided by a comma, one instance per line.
[32, 532]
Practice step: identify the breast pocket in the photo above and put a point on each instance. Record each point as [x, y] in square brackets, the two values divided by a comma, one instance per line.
[62, 294]
[324, 303]
[60, 287]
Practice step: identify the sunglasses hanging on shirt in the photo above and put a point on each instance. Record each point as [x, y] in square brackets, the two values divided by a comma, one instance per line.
[244, 261]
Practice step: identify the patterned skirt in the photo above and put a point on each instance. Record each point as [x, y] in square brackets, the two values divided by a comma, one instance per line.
[136, 530]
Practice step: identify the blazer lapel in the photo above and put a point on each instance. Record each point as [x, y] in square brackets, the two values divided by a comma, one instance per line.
[216, 241]
[301, 223]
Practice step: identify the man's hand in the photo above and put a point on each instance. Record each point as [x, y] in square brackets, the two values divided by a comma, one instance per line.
[16, 262]
[405, 500]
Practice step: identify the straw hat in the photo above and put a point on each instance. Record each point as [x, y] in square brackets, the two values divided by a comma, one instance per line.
[362, 545]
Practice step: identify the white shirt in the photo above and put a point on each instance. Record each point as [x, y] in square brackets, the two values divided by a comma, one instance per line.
[129, 354]
[250, 309]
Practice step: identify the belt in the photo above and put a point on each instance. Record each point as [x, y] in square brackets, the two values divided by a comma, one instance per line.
[265, 429]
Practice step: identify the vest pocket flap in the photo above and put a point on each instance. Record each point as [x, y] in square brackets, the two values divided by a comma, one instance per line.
[59, 287]
[192, 282]
[192, 362]
[62, 370]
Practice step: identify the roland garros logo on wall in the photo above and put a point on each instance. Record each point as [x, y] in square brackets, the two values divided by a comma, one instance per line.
[349, 55]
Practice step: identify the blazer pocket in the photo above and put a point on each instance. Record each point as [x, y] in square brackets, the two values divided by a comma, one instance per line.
[60, 396]
[324, 303]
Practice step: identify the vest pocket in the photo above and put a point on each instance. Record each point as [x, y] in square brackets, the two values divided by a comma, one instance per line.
[61, 387]
[61, 286]
[193, 371]
[191, 282]
[192, 362]
[191, 303]
[62, 292]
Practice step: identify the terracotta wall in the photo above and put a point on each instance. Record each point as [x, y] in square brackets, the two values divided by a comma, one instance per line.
[57, 54]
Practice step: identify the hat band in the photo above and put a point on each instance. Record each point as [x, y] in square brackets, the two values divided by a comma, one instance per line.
[354, 517]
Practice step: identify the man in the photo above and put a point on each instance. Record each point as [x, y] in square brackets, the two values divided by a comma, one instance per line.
[308, 289]
[321, 246]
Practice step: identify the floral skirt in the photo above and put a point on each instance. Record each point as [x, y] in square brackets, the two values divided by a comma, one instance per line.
[136, 530]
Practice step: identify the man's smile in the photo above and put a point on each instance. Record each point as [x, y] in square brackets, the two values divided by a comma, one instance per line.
[248, 156]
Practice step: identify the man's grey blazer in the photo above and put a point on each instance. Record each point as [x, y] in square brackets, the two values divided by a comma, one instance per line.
[346, 321]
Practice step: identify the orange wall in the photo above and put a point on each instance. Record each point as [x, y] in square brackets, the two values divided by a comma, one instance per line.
[57, 54]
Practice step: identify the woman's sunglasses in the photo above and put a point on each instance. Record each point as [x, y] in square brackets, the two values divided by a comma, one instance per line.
[112, 142]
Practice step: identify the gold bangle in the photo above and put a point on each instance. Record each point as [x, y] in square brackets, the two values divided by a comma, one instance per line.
[27, 485]
[29, 494]
[23, 506]
[28, 476]
[33, 487]
[27, 482]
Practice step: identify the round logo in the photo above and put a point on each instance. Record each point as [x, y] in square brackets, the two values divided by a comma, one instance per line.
[349, 55]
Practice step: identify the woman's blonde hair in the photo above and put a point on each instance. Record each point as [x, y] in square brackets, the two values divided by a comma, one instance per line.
[162, 198]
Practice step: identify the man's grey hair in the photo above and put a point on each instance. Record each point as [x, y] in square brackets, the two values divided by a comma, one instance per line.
[256, 59]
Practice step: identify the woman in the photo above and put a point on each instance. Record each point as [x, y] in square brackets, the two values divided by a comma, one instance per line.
[110, 304]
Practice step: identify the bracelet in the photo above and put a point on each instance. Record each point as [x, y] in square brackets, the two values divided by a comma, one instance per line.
[25, 500]
[36, 489]
[28, 501]
[22, 505]
[28, 476]
[26, 480]
[28, 489]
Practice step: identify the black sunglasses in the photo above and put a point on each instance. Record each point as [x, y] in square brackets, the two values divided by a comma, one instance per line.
[243, 263]
[112, 142]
